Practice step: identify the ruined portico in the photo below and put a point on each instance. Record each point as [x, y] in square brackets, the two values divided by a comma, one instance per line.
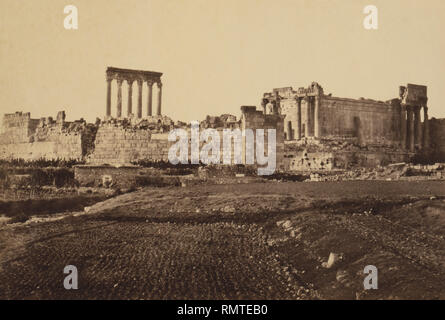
[412, 99]
[131, 76]
[307, 117]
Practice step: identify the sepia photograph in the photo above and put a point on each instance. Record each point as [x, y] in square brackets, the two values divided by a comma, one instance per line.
[238, 152]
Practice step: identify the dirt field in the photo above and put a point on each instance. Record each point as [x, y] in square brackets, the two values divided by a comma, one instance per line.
[246, 241]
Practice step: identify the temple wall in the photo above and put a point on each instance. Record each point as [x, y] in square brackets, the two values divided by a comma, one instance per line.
[370, 121]
[437, 138]
[289, 108]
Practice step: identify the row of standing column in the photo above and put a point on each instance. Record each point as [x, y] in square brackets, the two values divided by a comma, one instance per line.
[312, 119]
[130, 98]
[411, 127]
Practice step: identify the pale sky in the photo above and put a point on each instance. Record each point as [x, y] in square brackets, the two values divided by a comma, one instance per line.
[216, 55]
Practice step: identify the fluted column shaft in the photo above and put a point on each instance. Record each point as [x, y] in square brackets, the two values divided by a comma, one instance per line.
[159, 98]
[150, 99]
[299, 118]
[108, 110]
[316, 117]
[308, 118]
[426, 128]
[119, 98]
[130, 98]
[289, 130]
[417, 126]
[410, 128]
[403, 126]
[140, 98]
[263, 105]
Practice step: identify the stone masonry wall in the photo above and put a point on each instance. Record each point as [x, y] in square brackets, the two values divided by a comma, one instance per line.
[325, 161]
[67, 147]
[117, 145]
[437, 138]
[30, 139]
[372, 122]
[17, 128]
[253, 119]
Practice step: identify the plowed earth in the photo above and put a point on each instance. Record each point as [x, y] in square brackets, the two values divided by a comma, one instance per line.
[241, 241]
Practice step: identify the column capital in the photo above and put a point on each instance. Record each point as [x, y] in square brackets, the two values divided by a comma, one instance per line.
[130, 81]
[140, 82]
[159, 84]
[119, 81]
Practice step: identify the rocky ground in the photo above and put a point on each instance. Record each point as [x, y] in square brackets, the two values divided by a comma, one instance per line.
[245, 241]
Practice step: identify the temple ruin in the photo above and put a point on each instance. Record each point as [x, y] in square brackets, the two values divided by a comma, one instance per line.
[130, 76]
[315, 131]
[309, 113]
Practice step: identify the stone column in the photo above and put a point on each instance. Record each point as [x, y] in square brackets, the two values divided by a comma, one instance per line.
[130, 98]
[119, 98]
[108, 110]
[417, 126]
[308, 117]
[159, 98]
[263, 105]
[150, 98]
[299, 118]
[426, 128]
[140, 98]
[410, 128]
[403, 126]
[289, 130]
[316, 117]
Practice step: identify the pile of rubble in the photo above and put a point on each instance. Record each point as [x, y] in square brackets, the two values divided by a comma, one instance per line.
[397, 171]
[153, 123]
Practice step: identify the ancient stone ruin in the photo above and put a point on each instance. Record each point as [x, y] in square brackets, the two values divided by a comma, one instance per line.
[131, 76]
[315, 131]
[325, 132]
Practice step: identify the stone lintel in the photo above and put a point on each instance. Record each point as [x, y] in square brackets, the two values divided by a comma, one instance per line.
[132, 75]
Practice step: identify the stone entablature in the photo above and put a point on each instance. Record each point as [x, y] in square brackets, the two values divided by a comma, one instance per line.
[131, 76]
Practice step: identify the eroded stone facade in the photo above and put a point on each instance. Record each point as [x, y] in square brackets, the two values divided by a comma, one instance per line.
[310, 113]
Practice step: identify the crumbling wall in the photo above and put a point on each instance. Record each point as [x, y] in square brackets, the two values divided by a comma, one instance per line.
[17, 128]
[308, 161]
[253, 119]
[327, 154]
[32, 139]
